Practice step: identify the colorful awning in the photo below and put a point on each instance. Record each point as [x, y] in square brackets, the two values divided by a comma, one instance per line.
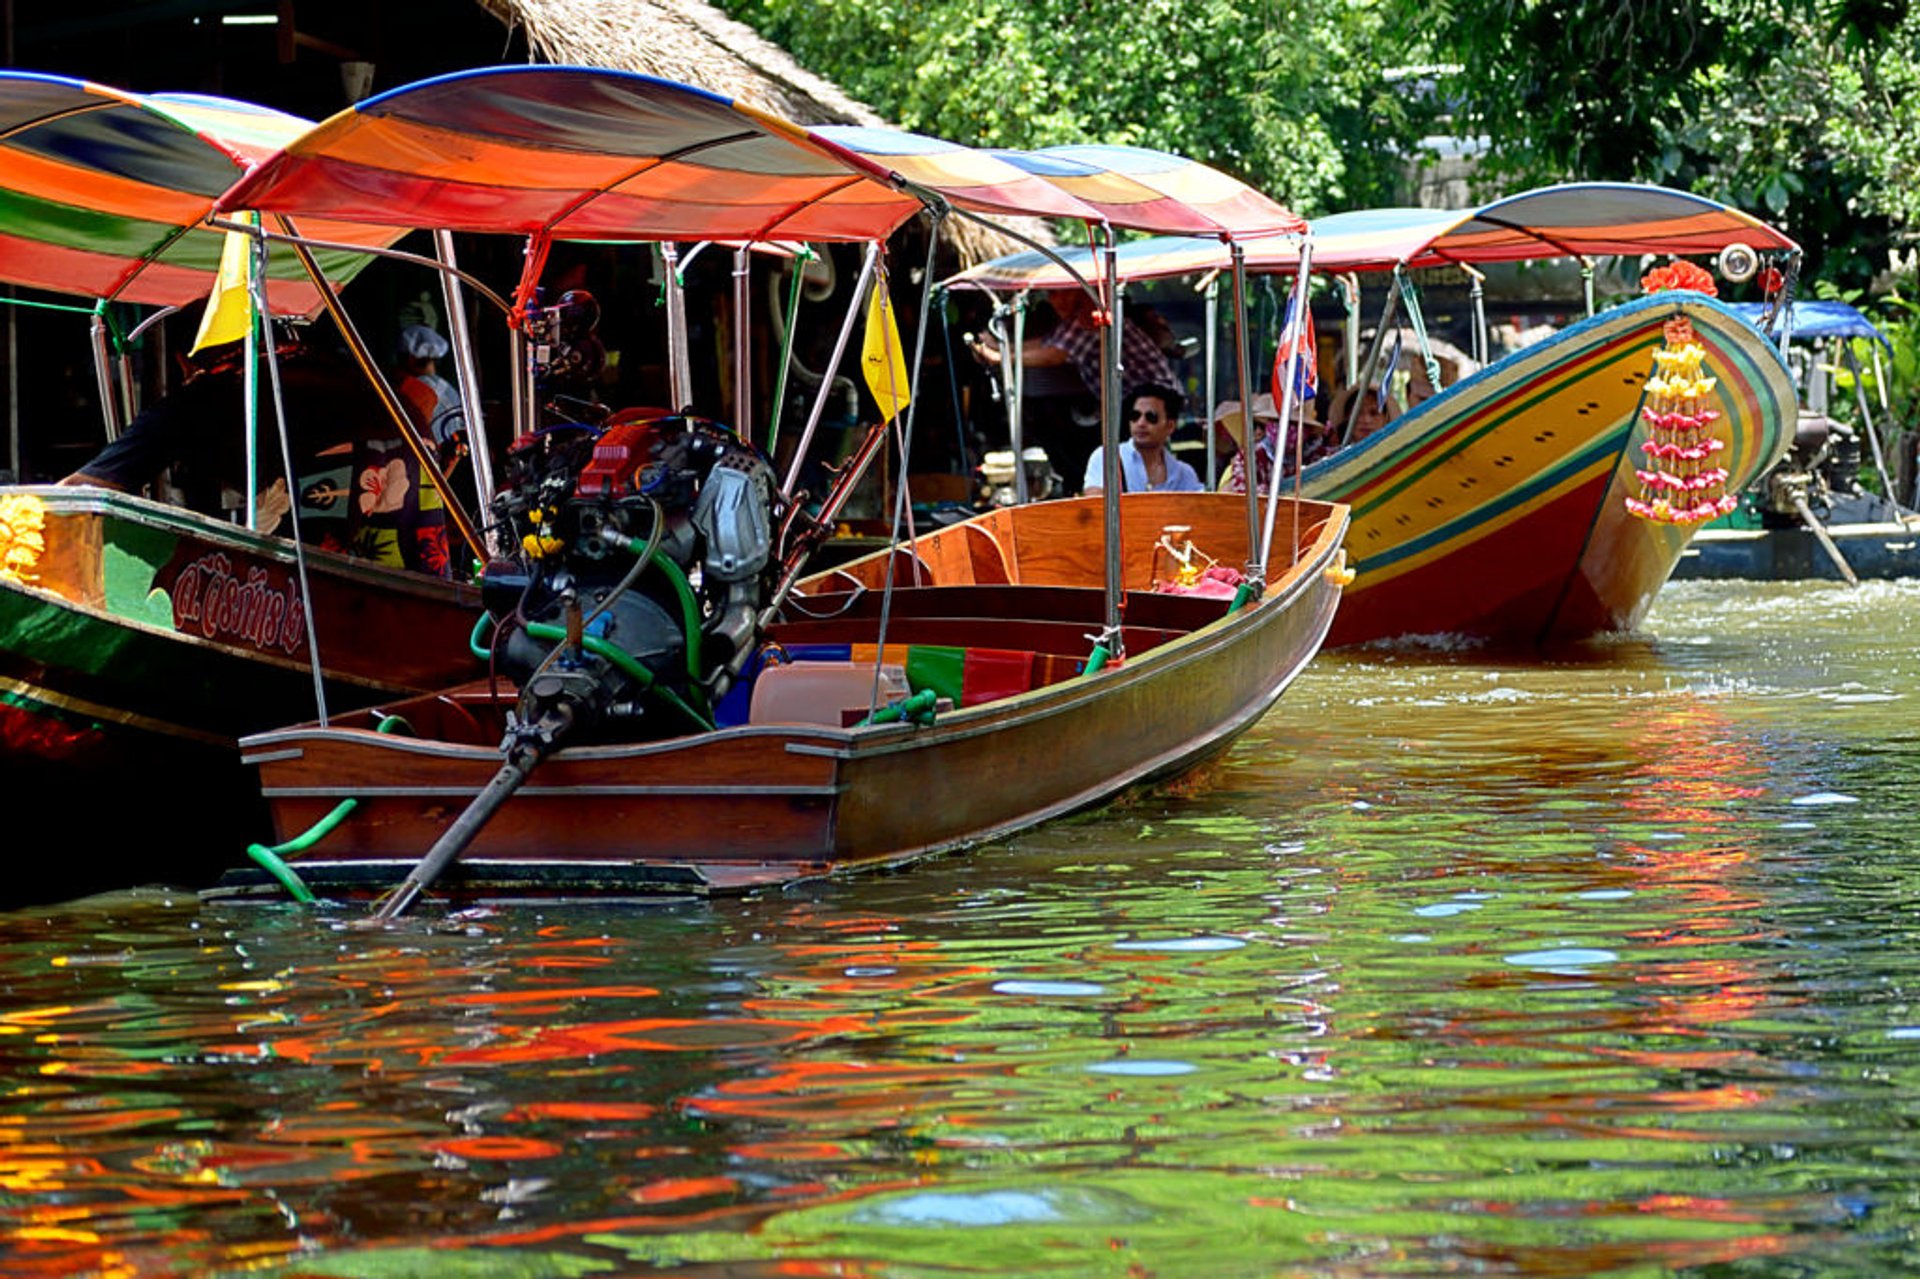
[103, 193]
[1589, 218]
[576, 154]
[1129, 187]
[585, 153]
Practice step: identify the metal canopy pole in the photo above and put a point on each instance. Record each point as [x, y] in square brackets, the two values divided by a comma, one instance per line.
[854, 308]
[465, 369]
[679, 364]
[1866, 419]
[103, 375]
[1211, 288]
[1111, 474]
[1288, 394]
[1011, 368]
[743, 342]
[1242, 346]
[1372, 365]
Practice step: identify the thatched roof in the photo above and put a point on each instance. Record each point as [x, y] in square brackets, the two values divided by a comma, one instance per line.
[693, 42]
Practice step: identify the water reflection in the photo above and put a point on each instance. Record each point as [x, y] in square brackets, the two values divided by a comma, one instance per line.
[1456, 965]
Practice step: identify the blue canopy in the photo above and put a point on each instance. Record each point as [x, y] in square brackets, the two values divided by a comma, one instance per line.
[1814, 320]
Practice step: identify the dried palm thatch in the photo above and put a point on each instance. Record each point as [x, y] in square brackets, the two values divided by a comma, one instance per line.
[695, 43]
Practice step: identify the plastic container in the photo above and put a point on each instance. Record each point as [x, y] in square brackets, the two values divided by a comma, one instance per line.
[831, 693]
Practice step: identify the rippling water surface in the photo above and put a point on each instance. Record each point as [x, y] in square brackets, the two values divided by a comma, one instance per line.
[1599, 965]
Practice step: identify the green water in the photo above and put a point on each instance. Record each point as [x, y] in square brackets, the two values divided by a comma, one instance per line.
[1599, 966]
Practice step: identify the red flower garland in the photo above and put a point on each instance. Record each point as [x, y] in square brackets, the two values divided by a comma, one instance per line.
[1679, 275]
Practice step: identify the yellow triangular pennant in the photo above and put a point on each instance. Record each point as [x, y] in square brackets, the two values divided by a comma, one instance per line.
[229, 310]
[880, 357]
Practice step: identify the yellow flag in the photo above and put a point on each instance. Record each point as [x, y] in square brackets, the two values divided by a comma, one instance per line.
[880, 358]
[230, 306]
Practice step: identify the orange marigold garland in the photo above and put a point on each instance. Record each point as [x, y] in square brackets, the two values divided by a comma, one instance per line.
[1679, 485]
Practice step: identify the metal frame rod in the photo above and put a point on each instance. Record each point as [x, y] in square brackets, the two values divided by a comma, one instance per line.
[854, 308]
[1111, 474]
[1866, 419]
[259, 318]
[466, 369]
[679, 365]
[1211, 360]
[743, 341]
[1388, 311]
[1288, 393]
[103, 376]
[398, 255]
[1244, 373]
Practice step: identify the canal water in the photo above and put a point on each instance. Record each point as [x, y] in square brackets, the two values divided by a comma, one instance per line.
[1601, 965]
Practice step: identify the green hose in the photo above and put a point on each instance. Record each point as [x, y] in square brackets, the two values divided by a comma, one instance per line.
[918, 708]
[269, 858]
[1241, 596]
[473, 640]
[1096, 660]
[625, 661]
[689, 606]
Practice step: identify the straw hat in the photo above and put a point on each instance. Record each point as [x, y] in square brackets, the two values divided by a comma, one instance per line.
[1228, 416]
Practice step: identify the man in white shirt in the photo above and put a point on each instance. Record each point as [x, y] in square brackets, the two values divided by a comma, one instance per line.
[1146, 464]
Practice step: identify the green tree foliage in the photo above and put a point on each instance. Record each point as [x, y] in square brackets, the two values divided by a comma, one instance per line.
[1292, 96]
[1801, 110]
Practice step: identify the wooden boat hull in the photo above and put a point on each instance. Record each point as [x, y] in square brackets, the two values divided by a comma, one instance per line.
[151, 638]
[1497, 509]
[764, 803]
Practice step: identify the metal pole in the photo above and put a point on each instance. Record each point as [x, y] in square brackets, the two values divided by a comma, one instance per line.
[854, 306]
[13, 368]
[1482, 340]
[743, 342]
[103, 376]
[1212, 361]
[1286, 406]
[1350, 295]
[679, 367]
[1372, 365]
[466, 369]
[257, 285]
[1111, 474]
[1242, 344]
[1866, 420]
[1010, 396]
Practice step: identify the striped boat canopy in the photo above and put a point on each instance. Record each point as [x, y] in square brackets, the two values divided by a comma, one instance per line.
[103, 193]
[1577, 219]
[1129, 187]
[585, 153]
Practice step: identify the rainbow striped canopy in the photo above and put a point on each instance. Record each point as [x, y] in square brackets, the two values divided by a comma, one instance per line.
[588, 153]
[1128, 187]
[1586, 218]
[103, 193]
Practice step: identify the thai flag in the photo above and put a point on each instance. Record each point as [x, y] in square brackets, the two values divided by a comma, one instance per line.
[1298, 349]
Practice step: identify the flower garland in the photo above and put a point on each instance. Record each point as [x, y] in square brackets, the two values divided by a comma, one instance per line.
[1678, 486]
[23, 523]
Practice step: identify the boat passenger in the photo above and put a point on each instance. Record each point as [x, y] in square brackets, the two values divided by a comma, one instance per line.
[1317, 440]
[360, 489]
[1076, 341]
[1146, 464]
[432, 402]
[1356, 417]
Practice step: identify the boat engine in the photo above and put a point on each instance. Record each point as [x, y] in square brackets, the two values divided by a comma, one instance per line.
[645, 553]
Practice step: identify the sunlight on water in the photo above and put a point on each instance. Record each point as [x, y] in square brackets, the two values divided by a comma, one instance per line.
[1602, 964]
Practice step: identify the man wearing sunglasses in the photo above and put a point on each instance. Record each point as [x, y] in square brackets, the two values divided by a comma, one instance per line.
[1146, 464]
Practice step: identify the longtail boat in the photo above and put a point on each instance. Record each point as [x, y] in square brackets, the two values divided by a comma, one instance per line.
[137, 637]
[670, 705]
[1002, 609]
[1499, 509]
